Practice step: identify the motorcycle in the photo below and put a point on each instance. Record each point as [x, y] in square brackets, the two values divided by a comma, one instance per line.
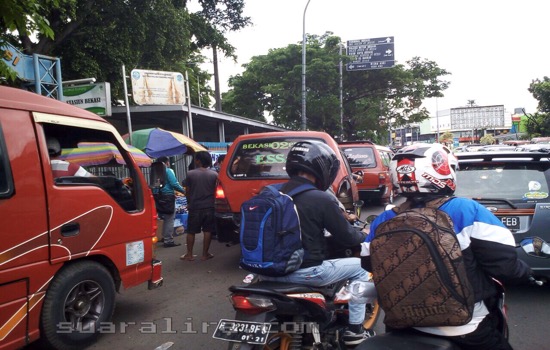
[285, 316]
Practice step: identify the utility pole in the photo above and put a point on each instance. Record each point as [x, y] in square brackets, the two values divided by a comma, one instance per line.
[304, 92]
[216, 79]
[341, 97]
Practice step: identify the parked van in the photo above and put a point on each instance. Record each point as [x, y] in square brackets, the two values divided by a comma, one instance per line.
[68, 243]
[256, 160]
[374, 161]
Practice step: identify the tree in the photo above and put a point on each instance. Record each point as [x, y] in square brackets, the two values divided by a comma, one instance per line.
[541, 92]
[538, 124]
[25, 17]
[95, 38]
[271, 84]
[487, 139]
[447, 137]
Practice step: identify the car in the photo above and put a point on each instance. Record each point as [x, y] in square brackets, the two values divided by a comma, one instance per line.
[374, 162]
[256, 160]
[468, 148]
[515, 186]
[533, 147]
[497, 148]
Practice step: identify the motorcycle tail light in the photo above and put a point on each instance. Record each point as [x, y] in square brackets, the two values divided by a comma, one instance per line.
[251, 304]
[381, 178]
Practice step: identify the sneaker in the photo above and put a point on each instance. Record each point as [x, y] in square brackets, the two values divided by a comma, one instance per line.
[171, 244]
[351, 338]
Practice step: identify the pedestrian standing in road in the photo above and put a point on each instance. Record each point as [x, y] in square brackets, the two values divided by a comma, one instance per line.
[201, 186]
[167, 191]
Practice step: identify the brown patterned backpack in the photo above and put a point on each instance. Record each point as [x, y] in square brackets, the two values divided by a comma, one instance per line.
[419, 270]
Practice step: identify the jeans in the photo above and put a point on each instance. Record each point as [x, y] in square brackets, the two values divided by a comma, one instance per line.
[331, 271]
[167, 227]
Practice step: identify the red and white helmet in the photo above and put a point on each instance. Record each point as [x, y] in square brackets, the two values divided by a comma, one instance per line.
[424, 168]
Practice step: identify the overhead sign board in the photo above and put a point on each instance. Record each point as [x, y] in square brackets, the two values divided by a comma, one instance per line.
[150, 87]
[95, 98]
[375, 53]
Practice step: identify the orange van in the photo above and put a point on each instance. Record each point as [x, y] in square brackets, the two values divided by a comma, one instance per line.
[374, 162]
[256, 160]
[69, 242]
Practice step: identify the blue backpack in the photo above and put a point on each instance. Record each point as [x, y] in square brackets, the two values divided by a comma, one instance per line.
[271, 240]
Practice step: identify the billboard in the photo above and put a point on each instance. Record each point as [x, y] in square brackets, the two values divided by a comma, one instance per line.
[95, 98]
[151, 87]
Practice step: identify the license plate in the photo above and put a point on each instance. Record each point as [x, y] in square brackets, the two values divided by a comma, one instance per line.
[242, 331]
[511, 222]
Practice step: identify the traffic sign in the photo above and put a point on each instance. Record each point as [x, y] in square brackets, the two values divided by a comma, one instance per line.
[375, 53]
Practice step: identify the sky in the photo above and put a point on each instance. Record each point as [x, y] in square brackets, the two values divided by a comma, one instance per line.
[493, 49]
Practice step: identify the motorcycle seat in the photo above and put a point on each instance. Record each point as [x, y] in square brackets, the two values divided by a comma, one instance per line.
[287, 288]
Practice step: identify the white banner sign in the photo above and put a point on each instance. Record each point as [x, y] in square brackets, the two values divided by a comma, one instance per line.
[151, 87]
[95, 98]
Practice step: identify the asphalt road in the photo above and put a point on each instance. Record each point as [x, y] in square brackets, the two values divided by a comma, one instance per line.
[195, 296]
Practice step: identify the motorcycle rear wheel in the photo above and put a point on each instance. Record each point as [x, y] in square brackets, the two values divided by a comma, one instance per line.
[371, 315]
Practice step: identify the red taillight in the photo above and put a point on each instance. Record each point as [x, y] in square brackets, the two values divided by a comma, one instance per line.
[153, 213]
[382, 178]
[221, 204]
[154, 224]
[220, 194]
[251, 305]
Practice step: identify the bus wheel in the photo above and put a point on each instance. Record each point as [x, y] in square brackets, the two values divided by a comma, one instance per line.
[80, 297]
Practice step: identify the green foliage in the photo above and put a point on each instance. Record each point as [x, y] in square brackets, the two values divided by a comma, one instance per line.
[95, 38]
[541, 92]
[446, 137]
[24, 16]
[538, 124]
[272, 84]
[487, 140]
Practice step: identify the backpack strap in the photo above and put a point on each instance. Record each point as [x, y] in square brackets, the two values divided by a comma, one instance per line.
[406, 205]
[434, 203]
[293, 192]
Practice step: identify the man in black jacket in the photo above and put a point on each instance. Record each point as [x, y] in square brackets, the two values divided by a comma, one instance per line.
[315, 162]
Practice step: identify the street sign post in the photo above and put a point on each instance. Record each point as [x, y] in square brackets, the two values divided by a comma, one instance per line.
[375, 53]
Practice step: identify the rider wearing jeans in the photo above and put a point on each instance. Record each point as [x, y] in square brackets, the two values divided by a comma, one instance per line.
[315, 162]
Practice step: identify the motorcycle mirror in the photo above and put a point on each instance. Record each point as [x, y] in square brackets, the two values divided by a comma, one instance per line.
[535, 247]
[359, 203]
[371, 218]
[358, 176]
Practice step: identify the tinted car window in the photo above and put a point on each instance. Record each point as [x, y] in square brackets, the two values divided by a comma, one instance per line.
[518, 181]
[360, 157]
[254, 159]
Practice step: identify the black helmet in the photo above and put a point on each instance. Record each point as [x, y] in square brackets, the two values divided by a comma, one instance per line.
[315, 158]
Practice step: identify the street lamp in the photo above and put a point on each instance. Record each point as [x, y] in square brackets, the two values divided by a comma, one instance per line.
[304, 118]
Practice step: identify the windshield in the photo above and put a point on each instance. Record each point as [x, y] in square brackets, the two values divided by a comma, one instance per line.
[360, 157]
[261, 158]
[525, 181]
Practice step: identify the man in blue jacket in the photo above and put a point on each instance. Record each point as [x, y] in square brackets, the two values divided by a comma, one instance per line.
[421, 173]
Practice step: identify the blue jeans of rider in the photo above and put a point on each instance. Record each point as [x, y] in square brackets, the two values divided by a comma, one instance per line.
[331, 271]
